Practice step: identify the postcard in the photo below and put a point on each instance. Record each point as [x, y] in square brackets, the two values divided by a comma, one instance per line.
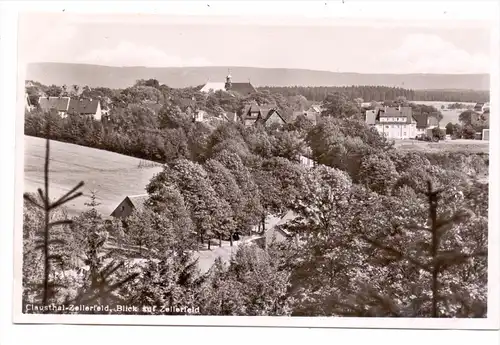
[245, 170]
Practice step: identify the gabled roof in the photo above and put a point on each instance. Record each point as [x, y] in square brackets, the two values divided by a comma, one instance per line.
[389, 112]
[478, 106]
[251, 112]
[83, 106]
[422, 120]
[242, 88]
[58, 103]
[230, 116]
[213, 86]
[138, 201]
[267, 113]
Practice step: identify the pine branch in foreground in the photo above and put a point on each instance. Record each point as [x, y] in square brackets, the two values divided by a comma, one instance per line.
[101, 289]
[434, 259]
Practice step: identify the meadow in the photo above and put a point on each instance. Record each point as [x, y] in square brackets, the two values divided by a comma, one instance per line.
[449, 115]
[110, 175]
[461, 145]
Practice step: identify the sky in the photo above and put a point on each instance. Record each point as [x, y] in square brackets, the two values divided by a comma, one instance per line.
[348, 46]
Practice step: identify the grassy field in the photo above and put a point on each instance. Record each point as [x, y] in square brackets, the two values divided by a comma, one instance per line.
[449, 115]
[444, 145]
[112, 176]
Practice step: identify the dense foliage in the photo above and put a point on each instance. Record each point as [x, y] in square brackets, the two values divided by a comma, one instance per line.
[376, 231]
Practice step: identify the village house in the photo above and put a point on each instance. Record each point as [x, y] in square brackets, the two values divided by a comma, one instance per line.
[59, 104]
[242, 88]
[85, 107]
[393, 123]
[424, 123]
[306, 161]
[313, 114]
[70, 106]
[199, 115]
[254, 114]
[130, 204]
[486, 134]
[480, 119]
[482, 107]
[277, 233]
[27, 103]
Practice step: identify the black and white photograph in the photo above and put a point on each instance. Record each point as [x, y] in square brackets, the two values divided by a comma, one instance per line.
[266, 170]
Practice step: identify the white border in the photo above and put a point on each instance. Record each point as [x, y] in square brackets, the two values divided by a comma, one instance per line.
[446, 12]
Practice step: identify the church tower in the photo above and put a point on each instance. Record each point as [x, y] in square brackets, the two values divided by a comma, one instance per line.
[228, 81]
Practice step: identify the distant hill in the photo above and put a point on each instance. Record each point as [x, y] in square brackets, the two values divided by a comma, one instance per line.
[121, 77]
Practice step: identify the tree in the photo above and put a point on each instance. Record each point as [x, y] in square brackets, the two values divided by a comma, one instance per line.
[207, 211]
[54, 91]
[226, 187]
[468, 132]
[175, 144]
[289, 145]
[173, 281]
[449, 128]
[337, 105]
[466, 117]
[440, 255]
[253, 284]
[457, 131]
[438, 133]
[172, 117]
[378, 173]
[252, 210]
[301, 124]
[75, 90]
[321, 266]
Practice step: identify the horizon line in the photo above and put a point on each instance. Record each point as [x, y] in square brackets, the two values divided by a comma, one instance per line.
[253, 67]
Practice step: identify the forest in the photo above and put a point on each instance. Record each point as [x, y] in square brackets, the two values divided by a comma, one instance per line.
[377, 232]
[382, 93]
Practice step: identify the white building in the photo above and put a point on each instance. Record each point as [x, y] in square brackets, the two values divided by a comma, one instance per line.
[393, 123]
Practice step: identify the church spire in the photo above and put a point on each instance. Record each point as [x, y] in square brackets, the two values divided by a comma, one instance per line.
[228, 80]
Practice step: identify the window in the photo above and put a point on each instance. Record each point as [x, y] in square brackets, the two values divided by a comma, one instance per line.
[386, 126]
[404, 133]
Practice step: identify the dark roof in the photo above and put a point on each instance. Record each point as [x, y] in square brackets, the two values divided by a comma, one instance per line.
[422, 120]
[138, 201]
[58, 103]
[267, 113]
[242, 88]
[478, 106]
[251, 111]
[396, 112]
[83, 106]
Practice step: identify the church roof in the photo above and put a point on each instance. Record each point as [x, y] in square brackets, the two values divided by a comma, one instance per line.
[242, 88]
[214, 87]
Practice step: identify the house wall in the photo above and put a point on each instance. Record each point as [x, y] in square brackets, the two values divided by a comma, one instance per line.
[397, 131]
[420, 131]
[98, 113]
[249, 122]
[273, 235]
[308, 162]
[486, 134]
[124, 209]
